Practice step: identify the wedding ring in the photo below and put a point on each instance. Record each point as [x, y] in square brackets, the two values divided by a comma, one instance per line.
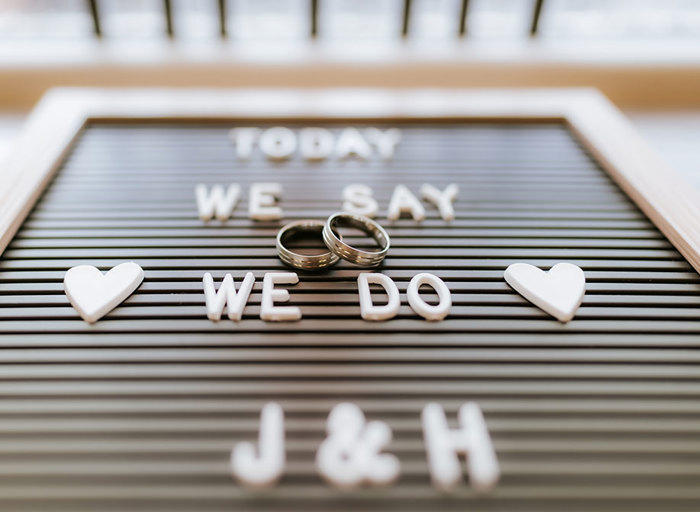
[303, 261]
[349, 253]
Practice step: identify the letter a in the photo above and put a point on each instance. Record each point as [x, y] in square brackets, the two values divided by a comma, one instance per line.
[403, 201]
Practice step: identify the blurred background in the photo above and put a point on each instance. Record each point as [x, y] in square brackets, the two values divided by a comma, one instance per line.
[643, 54]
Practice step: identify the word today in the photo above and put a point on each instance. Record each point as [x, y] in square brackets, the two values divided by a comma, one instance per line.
[314, 144]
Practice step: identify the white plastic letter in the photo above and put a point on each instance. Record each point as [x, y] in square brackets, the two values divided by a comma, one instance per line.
[368, 310]
[443, 200]
[215, 301]
[428, 311]
[278, 143]
[352, 143]
[385, 141]
[244, 139]
[262, 201]
[403, 201]
[351, 454]
[265, 468]
[268, 311]
[216, 203]
[358, 199]
[315, 143]
[471, 438]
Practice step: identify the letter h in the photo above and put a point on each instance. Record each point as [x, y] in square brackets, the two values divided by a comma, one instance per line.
[471, 438]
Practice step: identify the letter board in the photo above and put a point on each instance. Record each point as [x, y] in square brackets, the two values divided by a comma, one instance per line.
[141, 409]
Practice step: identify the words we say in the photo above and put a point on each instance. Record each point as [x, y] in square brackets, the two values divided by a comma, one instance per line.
[220, 201]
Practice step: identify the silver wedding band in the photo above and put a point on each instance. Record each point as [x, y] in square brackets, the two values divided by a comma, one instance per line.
[358, 256]
[304, 261]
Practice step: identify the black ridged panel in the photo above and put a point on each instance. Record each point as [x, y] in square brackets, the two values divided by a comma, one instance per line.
[140, 410]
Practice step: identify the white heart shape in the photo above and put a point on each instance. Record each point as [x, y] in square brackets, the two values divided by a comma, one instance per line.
[559, 292]
[94, 294]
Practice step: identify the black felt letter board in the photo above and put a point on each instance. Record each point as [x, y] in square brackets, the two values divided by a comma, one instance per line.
[141, 410]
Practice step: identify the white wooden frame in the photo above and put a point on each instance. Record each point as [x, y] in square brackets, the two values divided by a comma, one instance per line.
[663, 195]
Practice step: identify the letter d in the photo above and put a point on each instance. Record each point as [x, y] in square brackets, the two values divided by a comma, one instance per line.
[367, 308]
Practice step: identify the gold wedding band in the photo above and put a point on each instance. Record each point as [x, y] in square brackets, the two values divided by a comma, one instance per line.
[304, 261]
[361, 257]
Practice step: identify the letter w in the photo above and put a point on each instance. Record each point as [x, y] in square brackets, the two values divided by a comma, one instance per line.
[216, 202]
[215, 301]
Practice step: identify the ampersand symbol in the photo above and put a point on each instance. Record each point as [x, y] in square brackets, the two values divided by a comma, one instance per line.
[351, 454]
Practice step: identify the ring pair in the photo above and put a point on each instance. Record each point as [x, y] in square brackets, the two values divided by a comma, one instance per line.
[332, 238]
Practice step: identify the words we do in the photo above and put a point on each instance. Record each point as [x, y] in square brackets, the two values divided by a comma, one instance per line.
[314, 144]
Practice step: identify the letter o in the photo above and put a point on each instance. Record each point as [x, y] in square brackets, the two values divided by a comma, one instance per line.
[278, 143]
[427, 311]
